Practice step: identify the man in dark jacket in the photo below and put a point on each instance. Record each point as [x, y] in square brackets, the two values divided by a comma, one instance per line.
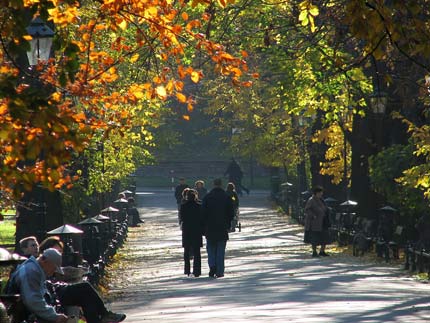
[218, 213]
[235, 176]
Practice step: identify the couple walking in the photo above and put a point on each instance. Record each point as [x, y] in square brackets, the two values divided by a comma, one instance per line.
[212, 218]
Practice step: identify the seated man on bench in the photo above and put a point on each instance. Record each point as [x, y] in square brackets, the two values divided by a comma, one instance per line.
[29, 280]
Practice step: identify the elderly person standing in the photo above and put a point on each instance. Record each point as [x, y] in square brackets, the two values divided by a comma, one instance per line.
[316, 222]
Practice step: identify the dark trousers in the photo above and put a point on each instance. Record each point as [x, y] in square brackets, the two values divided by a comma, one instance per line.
[239, 187]
[84, 296]
[197, 260]
[216, 255]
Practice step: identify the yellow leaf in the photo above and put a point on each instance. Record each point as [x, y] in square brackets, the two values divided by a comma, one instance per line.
[314, 11]
[123, 25]
[303, 15]
[151, 12]
[134, 58]
[161, 92]
[195, 76]
[186, 117]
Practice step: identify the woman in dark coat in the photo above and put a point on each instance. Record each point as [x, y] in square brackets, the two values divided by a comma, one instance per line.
[191, 220]
[316, 222]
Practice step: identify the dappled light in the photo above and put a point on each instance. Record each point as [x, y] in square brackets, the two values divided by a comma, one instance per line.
[270, 276]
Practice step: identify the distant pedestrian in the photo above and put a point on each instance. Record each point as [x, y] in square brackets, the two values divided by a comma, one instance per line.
[235, 176]
[317, 222]
[191, 219]
[218, 213]
[133, 212]
[231, 191]
[178, 191]
[199, 186]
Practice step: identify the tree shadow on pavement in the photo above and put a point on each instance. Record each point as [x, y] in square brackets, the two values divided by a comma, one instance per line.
[269, 277]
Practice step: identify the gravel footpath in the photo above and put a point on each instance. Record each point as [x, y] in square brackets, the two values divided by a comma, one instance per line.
[269, 277]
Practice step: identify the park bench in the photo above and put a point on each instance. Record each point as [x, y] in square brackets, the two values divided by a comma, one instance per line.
[417, 258]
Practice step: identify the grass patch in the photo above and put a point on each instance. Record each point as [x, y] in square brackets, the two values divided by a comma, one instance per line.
[7, 231]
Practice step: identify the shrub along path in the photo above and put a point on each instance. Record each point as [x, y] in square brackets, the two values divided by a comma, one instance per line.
[270, 276]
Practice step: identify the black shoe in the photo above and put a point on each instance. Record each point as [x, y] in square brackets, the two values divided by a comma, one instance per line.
[323, 254]
[315, 254]
[111, 317]
[219, 275]
[212, 272]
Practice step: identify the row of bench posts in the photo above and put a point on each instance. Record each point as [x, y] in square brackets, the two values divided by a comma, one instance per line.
[94, 241]
[383, 234]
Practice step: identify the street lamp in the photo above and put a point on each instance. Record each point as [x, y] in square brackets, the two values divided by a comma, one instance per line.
[41, 42]
[378, 103]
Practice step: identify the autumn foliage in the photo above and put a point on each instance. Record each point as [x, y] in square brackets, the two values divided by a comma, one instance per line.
[113, 63]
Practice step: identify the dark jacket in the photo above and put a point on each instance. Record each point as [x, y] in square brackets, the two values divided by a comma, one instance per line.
[315, 212]
[234, 172]
[178, 192]
[218, 213]
[190, 215]
[235, 198]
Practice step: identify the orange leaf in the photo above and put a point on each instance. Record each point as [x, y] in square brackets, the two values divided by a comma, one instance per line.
[79, 117]
[181, 98]
[186, 117]
[184, 16]
[222, 3]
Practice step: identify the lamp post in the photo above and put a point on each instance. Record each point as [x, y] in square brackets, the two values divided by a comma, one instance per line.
[39, 202]
[301, 167]
[378, 106]
[347, 119]
[41, 43]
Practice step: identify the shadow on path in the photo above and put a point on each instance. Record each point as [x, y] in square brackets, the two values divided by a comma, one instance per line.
[270, 276]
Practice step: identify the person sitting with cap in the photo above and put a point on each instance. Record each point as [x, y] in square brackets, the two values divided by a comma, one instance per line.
[29, 280]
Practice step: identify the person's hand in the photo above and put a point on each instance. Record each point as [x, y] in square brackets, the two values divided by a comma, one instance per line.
[61, 318]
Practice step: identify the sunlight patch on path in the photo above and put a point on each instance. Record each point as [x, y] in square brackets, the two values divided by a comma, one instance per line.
[270, 276]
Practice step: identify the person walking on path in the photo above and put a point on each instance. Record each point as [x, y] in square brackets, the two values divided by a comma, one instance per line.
[199, 186]
[218, 213]
[316, 222]
[190, 217]
[178, 191]
[231, 191]
[235, 176]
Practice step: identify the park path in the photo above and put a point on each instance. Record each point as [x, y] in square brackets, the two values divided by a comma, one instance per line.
[270, 276]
